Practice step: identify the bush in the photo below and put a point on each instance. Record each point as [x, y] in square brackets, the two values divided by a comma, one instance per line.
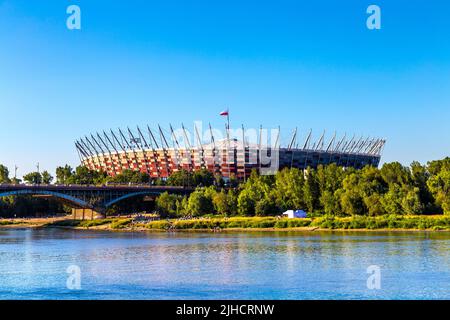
[65, 223]
[161, 225]
[93, 223]
[8, 222]
[382, 222]
[120, 223]
[292, 223]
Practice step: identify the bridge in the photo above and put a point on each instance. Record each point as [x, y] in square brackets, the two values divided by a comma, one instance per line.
[93, 198]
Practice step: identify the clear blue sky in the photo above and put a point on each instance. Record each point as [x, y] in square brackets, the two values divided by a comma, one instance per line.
[311, 64]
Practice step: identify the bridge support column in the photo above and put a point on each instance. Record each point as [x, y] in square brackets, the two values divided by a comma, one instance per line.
[86, 214]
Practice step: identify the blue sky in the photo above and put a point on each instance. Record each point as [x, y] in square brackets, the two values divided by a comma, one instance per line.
[311, 64]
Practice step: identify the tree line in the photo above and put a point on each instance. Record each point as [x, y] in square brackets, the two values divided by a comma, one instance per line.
[328, 190]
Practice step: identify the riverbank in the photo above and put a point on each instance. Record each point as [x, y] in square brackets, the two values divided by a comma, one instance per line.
[29, 222]
[217, 224]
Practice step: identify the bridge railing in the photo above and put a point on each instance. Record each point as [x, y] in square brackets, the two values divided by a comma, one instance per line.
[87, 186]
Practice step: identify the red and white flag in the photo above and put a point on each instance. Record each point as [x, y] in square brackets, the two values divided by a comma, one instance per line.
[224, 113]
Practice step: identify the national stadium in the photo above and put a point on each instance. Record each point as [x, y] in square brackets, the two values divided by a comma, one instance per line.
[230, 153]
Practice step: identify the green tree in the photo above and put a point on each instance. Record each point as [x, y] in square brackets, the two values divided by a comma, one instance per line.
[246, 203]
[130, 176]
[330, 203]
[396, 173]
[411, 203]
[435, 167]
[225, 203]
[288, 189]
[33, 178]
[63, 174]
[266, 207]
[352, 202]
[4, 174]
[182, 206]
[203, 177]
[374, 205]
[392, 200]
[166, 205]
[16, 181]
[439, 185]
[46, 177]
[311, 191]
[232, 199]
[199, 203]
[220, 202]
[85, 176]
[255, 189]
[180, 178]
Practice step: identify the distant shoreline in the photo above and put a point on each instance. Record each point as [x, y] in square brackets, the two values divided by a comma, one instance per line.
[437, 223]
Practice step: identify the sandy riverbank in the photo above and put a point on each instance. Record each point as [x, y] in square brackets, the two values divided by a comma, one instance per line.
[241, 224]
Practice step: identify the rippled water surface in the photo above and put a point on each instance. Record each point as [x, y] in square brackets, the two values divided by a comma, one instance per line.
[252, 265]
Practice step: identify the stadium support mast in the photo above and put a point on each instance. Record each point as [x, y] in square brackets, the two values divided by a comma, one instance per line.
[243, 149]
[139, 145]
[152, 137]
[331, 142]
[147, 146]
[83, 151]
[130, 147]
[119, 158]
[95, 153]
[214, 151]
[187, 143]
[78, 151]
[278, 138]
[228, 125]
[101, 149]
[293, 139]
[202, 151]
[166, 158]
[259, 155]
[123, 149]
[176, 147]
[188, 148]
[320, 142]
[109, 152]
[163, 138]
[338, 146]
[308, 138]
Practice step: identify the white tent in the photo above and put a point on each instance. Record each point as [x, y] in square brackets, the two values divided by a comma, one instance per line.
[295, 214]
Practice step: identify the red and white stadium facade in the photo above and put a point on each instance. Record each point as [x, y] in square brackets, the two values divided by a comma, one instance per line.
[159, 152]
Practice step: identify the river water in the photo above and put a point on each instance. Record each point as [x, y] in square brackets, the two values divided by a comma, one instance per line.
[246, 265]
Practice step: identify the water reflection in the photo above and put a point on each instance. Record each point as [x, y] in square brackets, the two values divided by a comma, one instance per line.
[254, 265]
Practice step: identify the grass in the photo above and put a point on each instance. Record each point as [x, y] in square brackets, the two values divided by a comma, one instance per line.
[9, 222]
[80, 223]
[226, 223]
[116, 223]
[121, 223]
[439, 222]
[326, 222]
[384, 222]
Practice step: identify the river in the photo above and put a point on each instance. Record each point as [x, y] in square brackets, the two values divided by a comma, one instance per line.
[34, 264]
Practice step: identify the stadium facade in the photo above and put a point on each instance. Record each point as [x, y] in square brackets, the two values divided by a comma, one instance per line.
[159, 152]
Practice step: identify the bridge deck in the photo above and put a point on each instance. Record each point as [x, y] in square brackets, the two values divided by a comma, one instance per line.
[90, 196]
[122, 188]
